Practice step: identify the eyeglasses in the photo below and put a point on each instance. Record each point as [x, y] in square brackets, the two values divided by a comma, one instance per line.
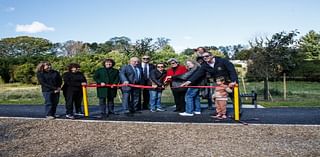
[146, 58]
[159, 66]
[206, 56]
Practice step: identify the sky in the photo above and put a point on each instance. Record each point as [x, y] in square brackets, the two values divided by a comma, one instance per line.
[187, 23]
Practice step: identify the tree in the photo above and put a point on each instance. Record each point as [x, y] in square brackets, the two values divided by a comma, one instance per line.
[24, 45]
[188, 52]
[273, 58]
[144, 47]
[310, 46]
[74, 47]
[121, 44]
[161, 42]
[24, 73]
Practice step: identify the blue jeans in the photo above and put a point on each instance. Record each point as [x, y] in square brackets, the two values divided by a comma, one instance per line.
[51, 101]
[155, 99]
[192, 99]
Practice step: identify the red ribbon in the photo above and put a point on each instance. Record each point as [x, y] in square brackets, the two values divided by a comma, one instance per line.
[142, 86]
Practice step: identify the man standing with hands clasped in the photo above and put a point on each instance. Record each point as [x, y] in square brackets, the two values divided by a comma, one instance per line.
[146, 69]
[217, 67]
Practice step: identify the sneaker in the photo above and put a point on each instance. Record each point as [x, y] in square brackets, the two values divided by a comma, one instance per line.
[50, 117]
[160, 110]
[57, 116]
[102, 116]
[195, 112]
[152, 110]
[69, 116]
[216, 116]
[186, 114]
[79, 114]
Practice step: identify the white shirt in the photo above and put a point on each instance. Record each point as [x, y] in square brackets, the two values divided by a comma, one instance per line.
[143, 65]
[212, 62]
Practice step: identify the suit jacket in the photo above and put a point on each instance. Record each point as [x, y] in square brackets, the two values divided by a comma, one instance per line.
[107, 76]
[127, 73]
[147, 81]
[222, 67]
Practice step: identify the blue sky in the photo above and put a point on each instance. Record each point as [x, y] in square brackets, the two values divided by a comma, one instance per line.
[188, 23]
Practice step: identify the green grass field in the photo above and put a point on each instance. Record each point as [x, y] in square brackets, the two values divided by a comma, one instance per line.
[299, 94]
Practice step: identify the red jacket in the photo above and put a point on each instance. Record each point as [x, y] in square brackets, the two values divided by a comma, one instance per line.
[181, 69]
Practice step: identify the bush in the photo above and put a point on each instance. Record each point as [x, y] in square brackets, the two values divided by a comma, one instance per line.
[24, 73]
[307, 71]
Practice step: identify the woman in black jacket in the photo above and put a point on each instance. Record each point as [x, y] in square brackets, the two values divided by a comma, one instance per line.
[72, 90]
[50, 81]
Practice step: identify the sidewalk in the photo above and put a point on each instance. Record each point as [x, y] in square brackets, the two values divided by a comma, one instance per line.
[308, 116]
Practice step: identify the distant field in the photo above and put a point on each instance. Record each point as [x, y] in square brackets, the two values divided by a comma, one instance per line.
[299, 94]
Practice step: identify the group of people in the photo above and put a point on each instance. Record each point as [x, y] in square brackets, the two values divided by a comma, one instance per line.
[195, 72]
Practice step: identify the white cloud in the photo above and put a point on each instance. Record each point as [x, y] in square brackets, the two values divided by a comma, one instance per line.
[10, 9]
[35, 27]
[187, 37]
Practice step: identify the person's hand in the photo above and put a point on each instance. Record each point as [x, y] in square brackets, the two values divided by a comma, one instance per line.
[83, 83]
[185, 84]
[102, 84]
[169, 77]
[232, 84]
[125, 83]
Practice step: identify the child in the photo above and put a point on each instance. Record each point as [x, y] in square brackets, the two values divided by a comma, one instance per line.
[220, 98]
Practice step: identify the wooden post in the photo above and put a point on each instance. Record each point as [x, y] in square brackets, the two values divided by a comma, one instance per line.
[284, 87]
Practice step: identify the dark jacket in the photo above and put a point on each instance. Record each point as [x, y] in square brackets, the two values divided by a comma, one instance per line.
[184, 77]
[49, 81]
[72, 81]
[157, 78]
[222, 67]
[146, 80]
[127, 74]
[107, 76]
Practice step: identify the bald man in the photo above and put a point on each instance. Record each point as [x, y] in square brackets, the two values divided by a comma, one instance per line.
[131, 74]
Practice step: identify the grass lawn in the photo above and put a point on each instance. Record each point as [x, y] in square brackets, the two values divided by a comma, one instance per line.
[300, 94]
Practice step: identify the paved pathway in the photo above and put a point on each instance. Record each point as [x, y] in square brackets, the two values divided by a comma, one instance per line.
[308, 116]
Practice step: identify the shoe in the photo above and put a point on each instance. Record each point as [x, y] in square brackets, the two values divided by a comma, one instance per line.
[223, 117]
[175, 111]
[102, 116]
[79, 114]
[186, 114]
[218, 116]
[195, 112]
[57, 116]
[152, 110]
[160, 110]
[69, 116]
[50, 117]
[114, 113]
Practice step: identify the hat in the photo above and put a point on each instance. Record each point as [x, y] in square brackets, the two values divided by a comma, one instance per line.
[172, 59]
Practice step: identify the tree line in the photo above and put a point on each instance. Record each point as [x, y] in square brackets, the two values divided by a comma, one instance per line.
[273, 57]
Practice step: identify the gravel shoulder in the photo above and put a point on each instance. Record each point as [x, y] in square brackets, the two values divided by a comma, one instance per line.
[36, 137]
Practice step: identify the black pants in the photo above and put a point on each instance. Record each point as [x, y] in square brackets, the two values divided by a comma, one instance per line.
[106, 103]
[73, 98]
[146, 99]
[51, 101]
[179, 100]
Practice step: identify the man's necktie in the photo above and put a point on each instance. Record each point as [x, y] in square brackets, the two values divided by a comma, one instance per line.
[145, 71]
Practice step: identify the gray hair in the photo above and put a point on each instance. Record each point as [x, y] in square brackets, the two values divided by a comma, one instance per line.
[172, 59]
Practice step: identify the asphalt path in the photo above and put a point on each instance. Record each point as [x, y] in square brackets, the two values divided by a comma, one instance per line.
[306, 116]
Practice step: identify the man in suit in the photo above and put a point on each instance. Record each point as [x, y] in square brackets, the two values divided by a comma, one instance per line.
[146, 69]
[216, 67]
[131, 74]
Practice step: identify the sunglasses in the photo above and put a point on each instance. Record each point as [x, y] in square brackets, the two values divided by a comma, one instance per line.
[146, 58]
[173, 63]
[206, 56]
[160, 66]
